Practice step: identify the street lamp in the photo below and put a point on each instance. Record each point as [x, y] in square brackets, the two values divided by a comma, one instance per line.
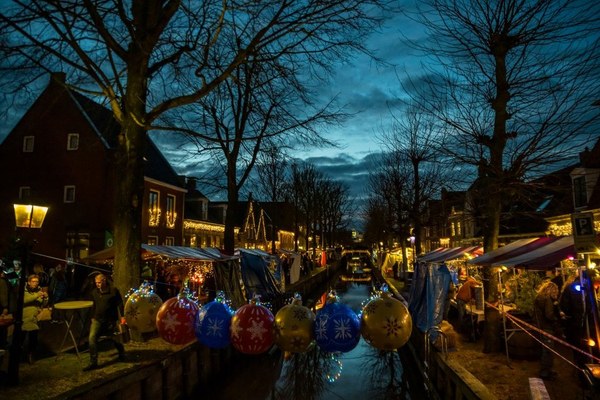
[27, 217]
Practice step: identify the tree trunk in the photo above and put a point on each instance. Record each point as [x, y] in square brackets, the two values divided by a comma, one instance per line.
[230, 214]
[129, 201]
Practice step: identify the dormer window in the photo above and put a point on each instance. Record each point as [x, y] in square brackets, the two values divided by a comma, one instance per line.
[73, 141]
[28, 142]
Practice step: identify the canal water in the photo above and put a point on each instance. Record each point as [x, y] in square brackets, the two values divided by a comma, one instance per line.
[363, 373]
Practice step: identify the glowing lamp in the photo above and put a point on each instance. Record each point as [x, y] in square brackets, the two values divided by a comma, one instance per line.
[29, 216]
[26, 216]
[591, 342]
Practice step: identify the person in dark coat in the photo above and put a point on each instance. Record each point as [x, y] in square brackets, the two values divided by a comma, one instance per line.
[108, 303]
[547, 317]
[576, 309]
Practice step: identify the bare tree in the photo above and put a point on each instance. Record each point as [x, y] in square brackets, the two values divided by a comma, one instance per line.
[514, 84]
[413, 138]
[272, 170]
[133, 54]
[260, 103]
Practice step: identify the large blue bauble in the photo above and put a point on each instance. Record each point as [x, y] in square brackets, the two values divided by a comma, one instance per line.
[337, 328]
[212, 325]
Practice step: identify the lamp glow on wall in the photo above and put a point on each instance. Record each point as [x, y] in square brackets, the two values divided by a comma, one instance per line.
[26, 217]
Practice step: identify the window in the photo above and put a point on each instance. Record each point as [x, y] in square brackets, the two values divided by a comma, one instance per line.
[579, 191]
[153, 208]
[169, 241]
[171, 215]
[153, 240]
[69, 196]
[24, 193]
[28, 142]
[73, 141]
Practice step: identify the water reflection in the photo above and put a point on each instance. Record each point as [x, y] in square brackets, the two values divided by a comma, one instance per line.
[306, 375]
[315, 375]
[364, 372]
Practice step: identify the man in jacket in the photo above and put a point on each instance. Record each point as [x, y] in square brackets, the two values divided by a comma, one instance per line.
[105, 317]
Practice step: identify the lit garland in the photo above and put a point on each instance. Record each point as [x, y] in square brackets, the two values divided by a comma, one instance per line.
[146, 289]
[335, 376]
[154, 216]
[170, 219]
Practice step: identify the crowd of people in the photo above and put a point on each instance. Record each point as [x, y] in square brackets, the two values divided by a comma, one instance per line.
[563, 309]
[42, 290]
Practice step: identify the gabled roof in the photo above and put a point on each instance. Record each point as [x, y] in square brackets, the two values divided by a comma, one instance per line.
[102, 120]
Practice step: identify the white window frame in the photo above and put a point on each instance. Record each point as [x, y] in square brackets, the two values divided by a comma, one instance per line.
[170, 241]
[28, 144]
[24, 192]
[73, 137]
[69, 189]
[153, 240]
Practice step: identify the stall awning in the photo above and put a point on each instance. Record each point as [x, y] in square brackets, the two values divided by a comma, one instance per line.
[433, 253]
[511, 250]
[544, 257]
[192, 253]
[455, 253]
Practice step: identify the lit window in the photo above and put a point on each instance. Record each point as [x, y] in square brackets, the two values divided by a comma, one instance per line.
[171, 215]
[153, 208]
[69, 194]
[72, 141]
[24, 193]
[153, 240]
[169, 241]
[28, 142]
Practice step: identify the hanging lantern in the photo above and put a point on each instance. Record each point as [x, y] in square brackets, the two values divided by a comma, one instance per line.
[337, 327]
[294, 327]
[141, 308]
[385, 322]
[175, 319]
[252, 328]
[213, 323]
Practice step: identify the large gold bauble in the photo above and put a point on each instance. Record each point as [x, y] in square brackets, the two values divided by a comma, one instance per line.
[294, 328]
[385, 323]
[141, 310]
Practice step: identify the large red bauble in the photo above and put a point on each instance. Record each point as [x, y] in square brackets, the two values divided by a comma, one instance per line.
[175, 320]
[252, 329]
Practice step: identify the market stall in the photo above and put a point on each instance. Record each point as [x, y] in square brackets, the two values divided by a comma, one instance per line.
[431, 282]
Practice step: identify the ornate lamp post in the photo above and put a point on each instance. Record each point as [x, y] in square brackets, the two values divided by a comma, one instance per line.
[26, 217]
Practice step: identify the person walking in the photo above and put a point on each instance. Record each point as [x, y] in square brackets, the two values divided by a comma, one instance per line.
[108, 303]
[33, 300]
[547, 317]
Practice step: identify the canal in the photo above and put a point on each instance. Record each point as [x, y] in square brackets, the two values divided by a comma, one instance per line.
[363, 373]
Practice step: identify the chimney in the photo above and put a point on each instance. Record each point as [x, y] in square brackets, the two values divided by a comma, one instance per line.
[191, 184]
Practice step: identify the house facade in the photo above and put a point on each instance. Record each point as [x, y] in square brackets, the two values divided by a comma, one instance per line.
[60, 155]
[546, 209]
